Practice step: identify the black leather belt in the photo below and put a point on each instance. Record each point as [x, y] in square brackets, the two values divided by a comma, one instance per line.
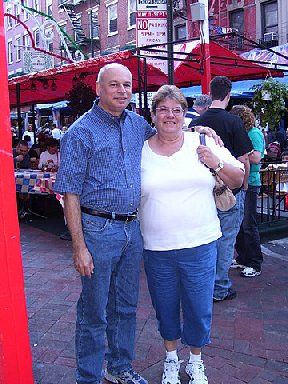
[110, 215]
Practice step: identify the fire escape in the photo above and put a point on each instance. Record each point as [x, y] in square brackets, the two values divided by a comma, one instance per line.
[91, 43]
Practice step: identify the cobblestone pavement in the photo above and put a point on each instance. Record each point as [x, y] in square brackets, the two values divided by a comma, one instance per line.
[249, 334]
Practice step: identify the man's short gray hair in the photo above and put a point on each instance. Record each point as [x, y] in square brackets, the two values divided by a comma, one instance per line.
[110, 66]
[203, 101]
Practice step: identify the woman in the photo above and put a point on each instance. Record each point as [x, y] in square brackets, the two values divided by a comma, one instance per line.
[180, 227]
[247, 244]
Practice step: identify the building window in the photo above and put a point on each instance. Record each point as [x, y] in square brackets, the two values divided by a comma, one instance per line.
[180, 32]
[36, 5]
[131, 13]
[17, 12]
[26, 13]
[26, 42]
[270, 16]
[37, 37]
[50, 46]
[10, 52]
[112, 18]
[49, 7]
[237, 20]
[9, 19]
[18, 48]
[94, 24]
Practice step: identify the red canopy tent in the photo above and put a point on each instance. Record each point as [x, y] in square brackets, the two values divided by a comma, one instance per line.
[53, 84]
[223, 63]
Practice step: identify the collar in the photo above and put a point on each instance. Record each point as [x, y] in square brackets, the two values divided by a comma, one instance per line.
[106, 115]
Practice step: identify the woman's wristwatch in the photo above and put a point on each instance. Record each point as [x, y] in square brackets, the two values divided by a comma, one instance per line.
[219, 167]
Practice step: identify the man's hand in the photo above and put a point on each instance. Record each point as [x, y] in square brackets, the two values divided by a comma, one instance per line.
[210, 133]
[83, 262]
[19, 158]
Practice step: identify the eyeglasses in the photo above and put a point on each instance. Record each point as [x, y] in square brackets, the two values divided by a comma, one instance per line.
[165, 111]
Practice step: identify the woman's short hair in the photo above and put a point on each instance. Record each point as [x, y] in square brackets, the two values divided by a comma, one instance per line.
[168, 92]
[245, 114]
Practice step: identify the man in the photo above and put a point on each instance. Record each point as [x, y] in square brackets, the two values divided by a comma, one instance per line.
[22, 161]
[230, 128]
[200, 105]
[50, 158]
[100, 177]
[20, 155]
[56, 132]
[29, 136]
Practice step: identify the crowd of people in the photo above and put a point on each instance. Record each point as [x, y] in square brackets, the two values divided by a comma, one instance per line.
[42, 154]
[132, 190]
[39, 150]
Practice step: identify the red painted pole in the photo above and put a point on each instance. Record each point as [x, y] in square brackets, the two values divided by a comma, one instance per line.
[206, 76]
[15, 353]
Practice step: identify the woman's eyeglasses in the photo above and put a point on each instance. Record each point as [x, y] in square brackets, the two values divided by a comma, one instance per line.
[165, 111]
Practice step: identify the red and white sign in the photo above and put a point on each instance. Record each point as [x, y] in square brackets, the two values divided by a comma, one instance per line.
[151, 29]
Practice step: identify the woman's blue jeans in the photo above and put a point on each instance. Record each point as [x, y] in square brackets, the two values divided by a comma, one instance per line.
[230, 222]
[183, 278]
[108, 300]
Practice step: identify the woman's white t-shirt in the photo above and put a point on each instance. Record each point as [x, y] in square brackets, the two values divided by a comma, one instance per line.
[177, 205]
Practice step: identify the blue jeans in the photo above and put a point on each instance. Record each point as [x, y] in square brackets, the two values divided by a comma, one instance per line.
[248, 240]
[230, 222]
[109, 298]
[183, 278]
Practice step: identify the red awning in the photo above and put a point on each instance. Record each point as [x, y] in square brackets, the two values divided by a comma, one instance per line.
[53, 84]
[223, 63]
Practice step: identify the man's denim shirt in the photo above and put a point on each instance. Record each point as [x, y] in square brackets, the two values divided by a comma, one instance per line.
[101, 159]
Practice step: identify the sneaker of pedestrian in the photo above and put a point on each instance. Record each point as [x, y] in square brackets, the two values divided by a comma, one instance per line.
[125, 377]
[66, 235]
[235, 265]
[23, 214]
[196, 371]
[171, 372]
[250, 272]
[230, 295]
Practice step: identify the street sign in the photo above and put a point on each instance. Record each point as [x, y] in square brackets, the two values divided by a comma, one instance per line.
[151, 5]
[151, 27]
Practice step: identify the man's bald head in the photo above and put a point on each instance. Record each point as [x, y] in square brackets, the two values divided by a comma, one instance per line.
[106, 68]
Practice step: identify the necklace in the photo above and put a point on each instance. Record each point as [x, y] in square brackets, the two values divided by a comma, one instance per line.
[167, 147]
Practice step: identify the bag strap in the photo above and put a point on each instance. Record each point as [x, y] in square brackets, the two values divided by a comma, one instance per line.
[202, 138]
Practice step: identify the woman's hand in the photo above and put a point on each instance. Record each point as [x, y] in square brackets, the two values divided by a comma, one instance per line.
[207, 157]
[210, 133]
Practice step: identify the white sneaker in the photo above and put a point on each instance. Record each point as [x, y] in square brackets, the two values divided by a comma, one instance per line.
[125, 377]
[196, 373]
[171, 372]
[250, 272]
[235, 265]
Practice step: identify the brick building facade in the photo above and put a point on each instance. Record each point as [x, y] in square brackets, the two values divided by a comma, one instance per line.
[101, 27]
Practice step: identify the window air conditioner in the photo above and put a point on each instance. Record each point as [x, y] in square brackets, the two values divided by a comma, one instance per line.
[270, 36]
